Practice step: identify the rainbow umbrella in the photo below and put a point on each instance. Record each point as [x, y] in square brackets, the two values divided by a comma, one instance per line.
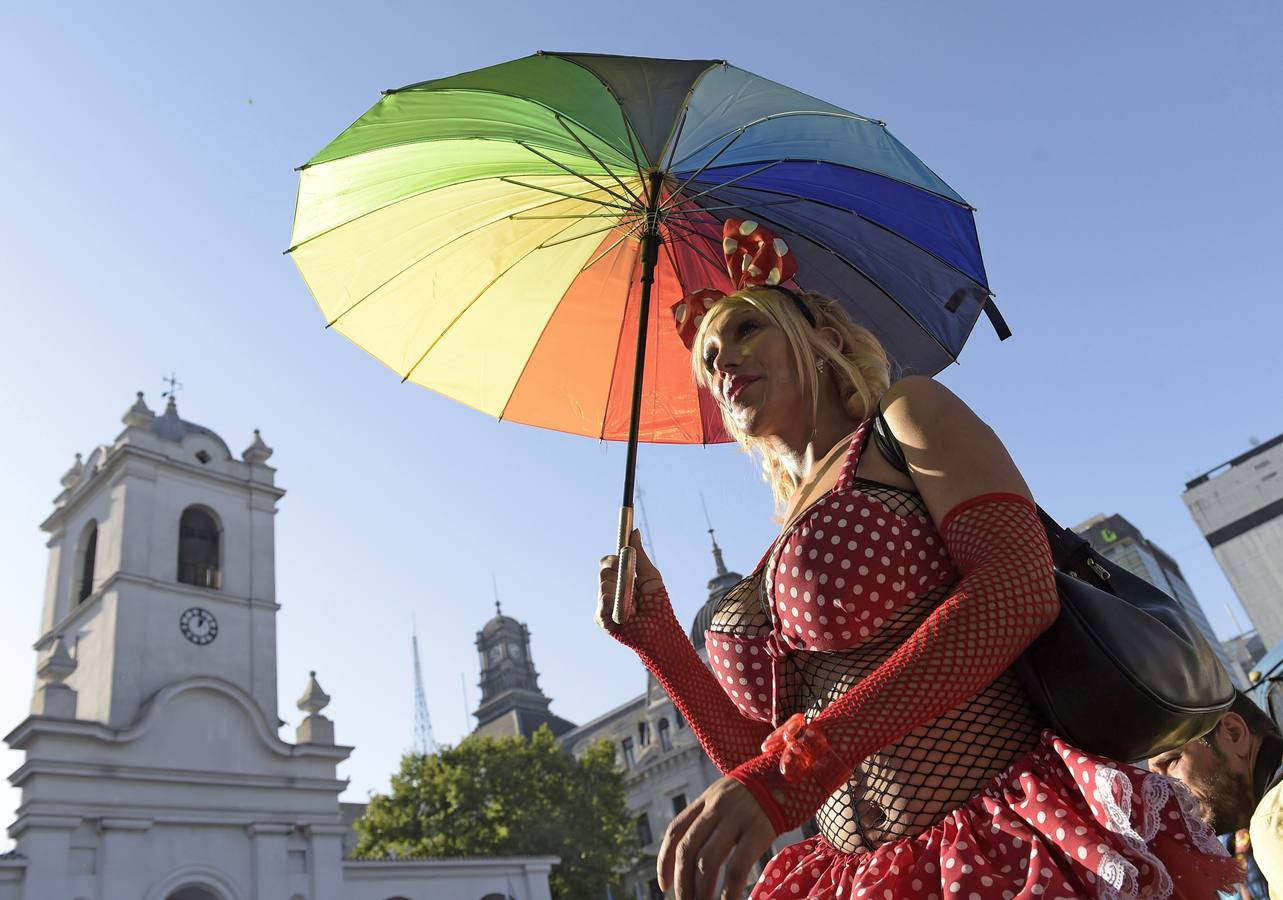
[496, 236]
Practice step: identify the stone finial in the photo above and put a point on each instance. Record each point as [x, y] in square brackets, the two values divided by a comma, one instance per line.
[257, 452]
[72, 475]
[315, 729]
[56, 663]
[138, 415]
[171, 407]
[314, 699]
[53, 698]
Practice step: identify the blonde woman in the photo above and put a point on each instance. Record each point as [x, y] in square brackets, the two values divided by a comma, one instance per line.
[861, 676]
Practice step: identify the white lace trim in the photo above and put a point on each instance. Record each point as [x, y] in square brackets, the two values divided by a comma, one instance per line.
[1119, 876]
[1199, 831]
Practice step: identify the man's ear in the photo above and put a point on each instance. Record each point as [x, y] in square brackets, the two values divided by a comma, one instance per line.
[1233, 734]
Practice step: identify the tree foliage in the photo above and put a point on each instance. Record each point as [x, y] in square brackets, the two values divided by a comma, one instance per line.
[508, 797]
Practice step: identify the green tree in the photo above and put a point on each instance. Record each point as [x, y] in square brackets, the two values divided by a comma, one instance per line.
[509, 797]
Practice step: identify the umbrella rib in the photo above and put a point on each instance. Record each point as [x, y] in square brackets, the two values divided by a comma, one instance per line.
[866, 277]
[681, 187]
[842, 165]
[403, 199]
[693, 197]
[632, 146]
[674, 138]
[610, 386]
[619, 104]
[604, 253]
[850, 212]
[672, 259]
[599, 257]
[578, 237]
[681, 125]
[434, 250]
[518, 217]
[690, 212]
[571, 171]
[828, 114]
[546, 190]
[471, 303]
[609, 170]
[532, 100]
[702, 252]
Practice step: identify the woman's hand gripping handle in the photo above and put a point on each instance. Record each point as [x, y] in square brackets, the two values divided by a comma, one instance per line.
[616, 607]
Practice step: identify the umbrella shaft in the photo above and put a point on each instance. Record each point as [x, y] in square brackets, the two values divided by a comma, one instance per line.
[649, 256]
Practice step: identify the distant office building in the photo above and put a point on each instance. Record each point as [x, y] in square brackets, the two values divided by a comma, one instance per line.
[1246, 649]
[1122, 543]
[1239, 508]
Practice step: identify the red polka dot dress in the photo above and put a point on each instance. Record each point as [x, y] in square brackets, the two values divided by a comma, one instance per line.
[861, 679]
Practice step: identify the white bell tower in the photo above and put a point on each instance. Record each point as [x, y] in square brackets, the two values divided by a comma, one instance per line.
[153, 765]
[161, 568]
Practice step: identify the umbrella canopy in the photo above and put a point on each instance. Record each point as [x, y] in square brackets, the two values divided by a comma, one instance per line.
[484, 235]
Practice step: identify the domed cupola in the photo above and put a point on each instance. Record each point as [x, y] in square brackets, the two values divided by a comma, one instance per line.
[511, 699]
[718, 585]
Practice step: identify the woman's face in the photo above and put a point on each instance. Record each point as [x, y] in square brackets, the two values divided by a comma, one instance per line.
[752, 373]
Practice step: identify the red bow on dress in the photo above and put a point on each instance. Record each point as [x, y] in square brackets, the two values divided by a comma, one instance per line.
[804, 746]
[754, 256]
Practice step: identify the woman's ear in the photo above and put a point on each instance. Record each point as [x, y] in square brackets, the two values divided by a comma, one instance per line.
[832, 337]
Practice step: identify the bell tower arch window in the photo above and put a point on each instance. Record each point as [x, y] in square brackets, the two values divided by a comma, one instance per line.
[86, 556]
[199, 548]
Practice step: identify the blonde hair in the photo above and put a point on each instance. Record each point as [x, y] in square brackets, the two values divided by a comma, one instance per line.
[861, 369]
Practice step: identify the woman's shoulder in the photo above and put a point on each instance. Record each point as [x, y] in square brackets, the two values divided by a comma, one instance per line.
[953, 453]
[919, 405]
[918, 390]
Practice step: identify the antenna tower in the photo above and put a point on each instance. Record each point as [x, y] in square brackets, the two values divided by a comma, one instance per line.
[646, 532]
[424, 743]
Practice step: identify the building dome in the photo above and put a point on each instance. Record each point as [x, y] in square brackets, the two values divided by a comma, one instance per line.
[718, 585]
[703, 620]
[500, 623]
[171, 427]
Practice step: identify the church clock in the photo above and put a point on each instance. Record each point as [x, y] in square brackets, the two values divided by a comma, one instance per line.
[198, 625]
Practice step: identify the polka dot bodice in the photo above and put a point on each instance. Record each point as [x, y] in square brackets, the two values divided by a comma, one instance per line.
[843, 569]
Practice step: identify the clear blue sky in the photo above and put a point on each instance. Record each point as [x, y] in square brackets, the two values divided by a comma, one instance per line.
[1124, 159]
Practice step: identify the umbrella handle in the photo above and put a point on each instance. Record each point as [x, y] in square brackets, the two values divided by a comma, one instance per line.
[627, 566]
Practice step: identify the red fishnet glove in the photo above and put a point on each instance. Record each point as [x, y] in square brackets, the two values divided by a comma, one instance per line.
[654, 633]
[1005, 598]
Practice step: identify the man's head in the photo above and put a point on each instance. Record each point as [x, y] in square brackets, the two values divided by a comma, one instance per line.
[1218, 767]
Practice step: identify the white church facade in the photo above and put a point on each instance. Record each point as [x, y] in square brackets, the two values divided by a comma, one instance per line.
[153, 766]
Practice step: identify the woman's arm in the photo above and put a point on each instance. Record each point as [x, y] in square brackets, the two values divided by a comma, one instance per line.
[653, 632]
[1005, 597]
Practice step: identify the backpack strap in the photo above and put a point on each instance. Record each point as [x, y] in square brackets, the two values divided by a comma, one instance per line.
[888, 445]
[1069, 551]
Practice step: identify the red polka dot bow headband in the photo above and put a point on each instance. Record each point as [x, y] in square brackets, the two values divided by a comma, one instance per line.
[754, 257]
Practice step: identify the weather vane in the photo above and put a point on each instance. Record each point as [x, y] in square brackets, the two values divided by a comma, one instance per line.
[174, 385]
